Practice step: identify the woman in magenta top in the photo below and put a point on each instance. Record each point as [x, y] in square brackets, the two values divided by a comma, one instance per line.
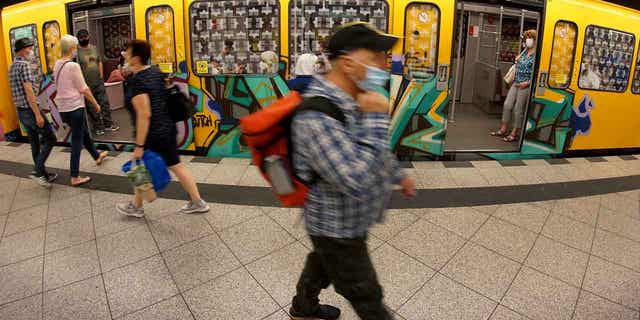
[71, 92]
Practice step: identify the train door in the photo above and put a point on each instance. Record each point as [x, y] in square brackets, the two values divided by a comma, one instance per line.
[488, 38]
[419, 89]
[110, 26]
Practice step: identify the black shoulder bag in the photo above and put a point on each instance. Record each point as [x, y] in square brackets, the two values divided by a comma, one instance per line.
[180, 107]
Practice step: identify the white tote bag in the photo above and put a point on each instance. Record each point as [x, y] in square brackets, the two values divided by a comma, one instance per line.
[511, 75]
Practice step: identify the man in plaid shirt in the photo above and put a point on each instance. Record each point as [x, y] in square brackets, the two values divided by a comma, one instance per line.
[24, 86]
[355, 173]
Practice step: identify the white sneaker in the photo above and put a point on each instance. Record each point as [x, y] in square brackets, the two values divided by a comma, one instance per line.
[128, 209]
[195, 207]
[42, 181]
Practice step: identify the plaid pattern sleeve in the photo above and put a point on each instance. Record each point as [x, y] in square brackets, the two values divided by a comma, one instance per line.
[344, 161]
[350, 164]
[398, 174]
[380, 137]
[19, 73]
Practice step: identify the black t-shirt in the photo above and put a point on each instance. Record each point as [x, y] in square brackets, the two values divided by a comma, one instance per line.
[151, 82]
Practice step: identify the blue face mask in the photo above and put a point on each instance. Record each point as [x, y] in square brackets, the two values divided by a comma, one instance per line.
[374, 79]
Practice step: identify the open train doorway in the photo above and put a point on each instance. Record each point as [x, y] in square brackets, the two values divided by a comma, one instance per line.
[488, 38]
[110, 25]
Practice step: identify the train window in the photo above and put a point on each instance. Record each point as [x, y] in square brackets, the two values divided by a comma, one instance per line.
[606, 59]
[161, 36]
[421, 32]
[635, 85]
[235, 37]
[563, 54]
[51, 35]
[312, 22]
[28, 31]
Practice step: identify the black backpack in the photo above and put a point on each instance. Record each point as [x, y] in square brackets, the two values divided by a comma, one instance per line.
[180, 107]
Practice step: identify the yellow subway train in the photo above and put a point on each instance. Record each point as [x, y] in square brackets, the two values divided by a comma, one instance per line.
[445, 95]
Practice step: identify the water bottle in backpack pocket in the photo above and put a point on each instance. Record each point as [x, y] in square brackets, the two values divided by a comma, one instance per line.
[279, 176]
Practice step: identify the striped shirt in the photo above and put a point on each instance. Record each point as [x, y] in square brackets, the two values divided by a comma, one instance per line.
[356, 170]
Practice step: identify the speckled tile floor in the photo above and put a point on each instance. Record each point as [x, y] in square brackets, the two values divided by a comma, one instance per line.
[66, 254]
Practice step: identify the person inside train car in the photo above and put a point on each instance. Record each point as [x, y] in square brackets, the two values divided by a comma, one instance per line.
[116, 75]
[71, 91]
[305, 68]
[227, 58]
[323, 65]
[590, 77]
[24, 84]
[354, 172]
[241, 68]
[155, 130]
[268, 62]
[518, 96]
[91, 63]
[214, 66]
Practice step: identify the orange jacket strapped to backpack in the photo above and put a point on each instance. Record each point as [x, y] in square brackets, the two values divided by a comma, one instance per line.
[268, 134]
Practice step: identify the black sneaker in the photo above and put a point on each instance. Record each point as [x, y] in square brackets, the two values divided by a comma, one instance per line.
[324, 312]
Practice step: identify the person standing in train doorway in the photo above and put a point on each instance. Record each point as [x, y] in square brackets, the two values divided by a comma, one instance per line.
[93, 72]
[518, 97]
[354, 174]
[24, 88]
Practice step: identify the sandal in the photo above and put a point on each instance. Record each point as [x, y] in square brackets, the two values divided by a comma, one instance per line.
[511, 138]
[103, 155]
[498, 133]
[83, 180]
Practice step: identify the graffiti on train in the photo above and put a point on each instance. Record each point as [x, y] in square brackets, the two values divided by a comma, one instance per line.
[580, 120]
[224, 101]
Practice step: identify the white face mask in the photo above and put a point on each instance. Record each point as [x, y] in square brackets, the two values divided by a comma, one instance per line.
[31, 55]
[529, 43]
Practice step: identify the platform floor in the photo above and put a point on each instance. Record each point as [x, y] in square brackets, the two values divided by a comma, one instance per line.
[66, 254]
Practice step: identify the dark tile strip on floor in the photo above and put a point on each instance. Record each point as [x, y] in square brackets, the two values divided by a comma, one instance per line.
[425, 198]
[457, 164]
[405, 164]
[558, 161]
[206, 159]
[596, 159]
[512, 163]
[628, 157]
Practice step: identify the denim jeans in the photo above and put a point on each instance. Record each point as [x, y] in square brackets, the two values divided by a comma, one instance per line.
[79, 137]
[41, 139]
[346, 264]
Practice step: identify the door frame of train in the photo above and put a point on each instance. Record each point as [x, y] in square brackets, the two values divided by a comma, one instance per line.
[420, 100]
[534, 80]
[79, 5]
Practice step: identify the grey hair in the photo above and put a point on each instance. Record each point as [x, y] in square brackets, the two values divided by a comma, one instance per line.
[68, 42]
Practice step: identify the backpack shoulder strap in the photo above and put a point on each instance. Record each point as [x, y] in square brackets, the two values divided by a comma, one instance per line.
[323, 105]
